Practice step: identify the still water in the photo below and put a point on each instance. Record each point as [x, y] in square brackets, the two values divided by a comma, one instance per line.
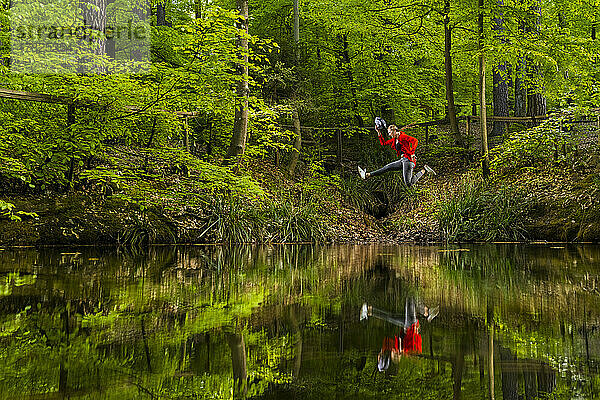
[284, 322]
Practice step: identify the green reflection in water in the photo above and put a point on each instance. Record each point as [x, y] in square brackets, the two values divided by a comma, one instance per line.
[515, 322]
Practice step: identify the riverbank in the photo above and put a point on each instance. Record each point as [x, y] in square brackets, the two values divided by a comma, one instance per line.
[556, 204]
[545, 185]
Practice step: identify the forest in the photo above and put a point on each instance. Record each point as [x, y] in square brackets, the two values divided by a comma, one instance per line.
[205, 121]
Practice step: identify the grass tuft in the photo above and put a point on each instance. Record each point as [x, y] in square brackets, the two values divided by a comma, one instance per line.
[476, 212]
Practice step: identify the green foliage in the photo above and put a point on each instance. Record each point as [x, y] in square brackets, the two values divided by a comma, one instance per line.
[168, 177]
[7, 210]
[319, 185]
[292, 221]
[477, 211]
[267, 137]
[12, 280]
[356, 194]
[191, 71]
[270, 221]
[538, 147]
[143, 230]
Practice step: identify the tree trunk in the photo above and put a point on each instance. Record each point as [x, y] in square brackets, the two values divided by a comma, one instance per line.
[510, 378]
[197, 9]
[451, 108]
[6, 60]
[536, 101]
[458, 366]
[63, 372]
[295, 115]
[546, 378]
[295, 327]
[491, 372]
[501, 75]
[146, 347]
[482, 101]
[520, 88]
[500, 78]
[94, 18]
[238, 361]
[297, 29]
[240, 124]
[520, 79]
[186, 134]
[161, 15]
[297, 143]
[347, 66]
[110, 43]
[530, 381]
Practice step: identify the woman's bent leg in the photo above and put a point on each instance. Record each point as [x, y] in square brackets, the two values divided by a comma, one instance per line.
[417, 176]
[407, 171]
[393, 166]
[410, 313]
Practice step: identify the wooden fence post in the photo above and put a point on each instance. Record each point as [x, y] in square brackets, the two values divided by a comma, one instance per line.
[186, 134]
[70, 122]
[339, 147]
[468, 125]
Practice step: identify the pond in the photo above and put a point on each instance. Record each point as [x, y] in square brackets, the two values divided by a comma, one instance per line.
[501, 321]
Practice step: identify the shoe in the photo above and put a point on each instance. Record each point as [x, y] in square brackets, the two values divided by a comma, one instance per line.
[362, 173]
[363, 312]
[433, 313]
[429, 169]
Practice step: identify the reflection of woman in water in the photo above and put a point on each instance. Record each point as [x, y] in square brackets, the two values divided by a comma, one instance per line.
[409, 341]
[390, 349]
[412, 337]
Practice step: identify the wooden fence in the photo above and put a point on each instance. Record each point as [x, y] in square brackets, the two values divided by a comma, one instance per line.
[469, 119]
[73, 103]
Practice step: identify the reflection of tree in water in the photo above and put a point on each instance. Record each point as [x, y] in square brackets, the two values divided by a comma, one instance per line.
[534, 377]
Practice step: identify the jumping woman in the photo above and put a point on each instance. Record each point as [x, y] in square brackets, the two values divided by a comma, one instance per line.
[405, 147]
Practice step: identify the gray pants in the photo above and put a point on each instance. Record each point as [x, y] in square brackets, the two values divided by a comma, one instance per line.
[405, 321]
[407, 170]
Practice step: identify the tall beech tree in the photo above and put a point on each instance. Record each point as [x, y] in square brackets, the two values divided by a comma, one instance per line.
[450, 106]
[536, 100]
[240, 122]
[482, 101]
[297, 147]
[500, 74]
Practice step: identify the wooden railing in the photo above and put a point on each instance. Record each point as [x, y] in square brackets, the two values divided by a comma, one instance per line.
[71, 103]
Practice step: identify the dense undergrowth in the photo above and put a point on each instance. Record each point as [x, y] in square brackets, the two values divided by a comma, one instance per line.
[544, 185]
[479, 210]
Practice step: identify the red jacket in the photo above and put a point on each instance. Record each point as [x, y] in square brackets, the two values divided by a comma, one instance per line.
[412, 342]
[404, 145]
[391, 344]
